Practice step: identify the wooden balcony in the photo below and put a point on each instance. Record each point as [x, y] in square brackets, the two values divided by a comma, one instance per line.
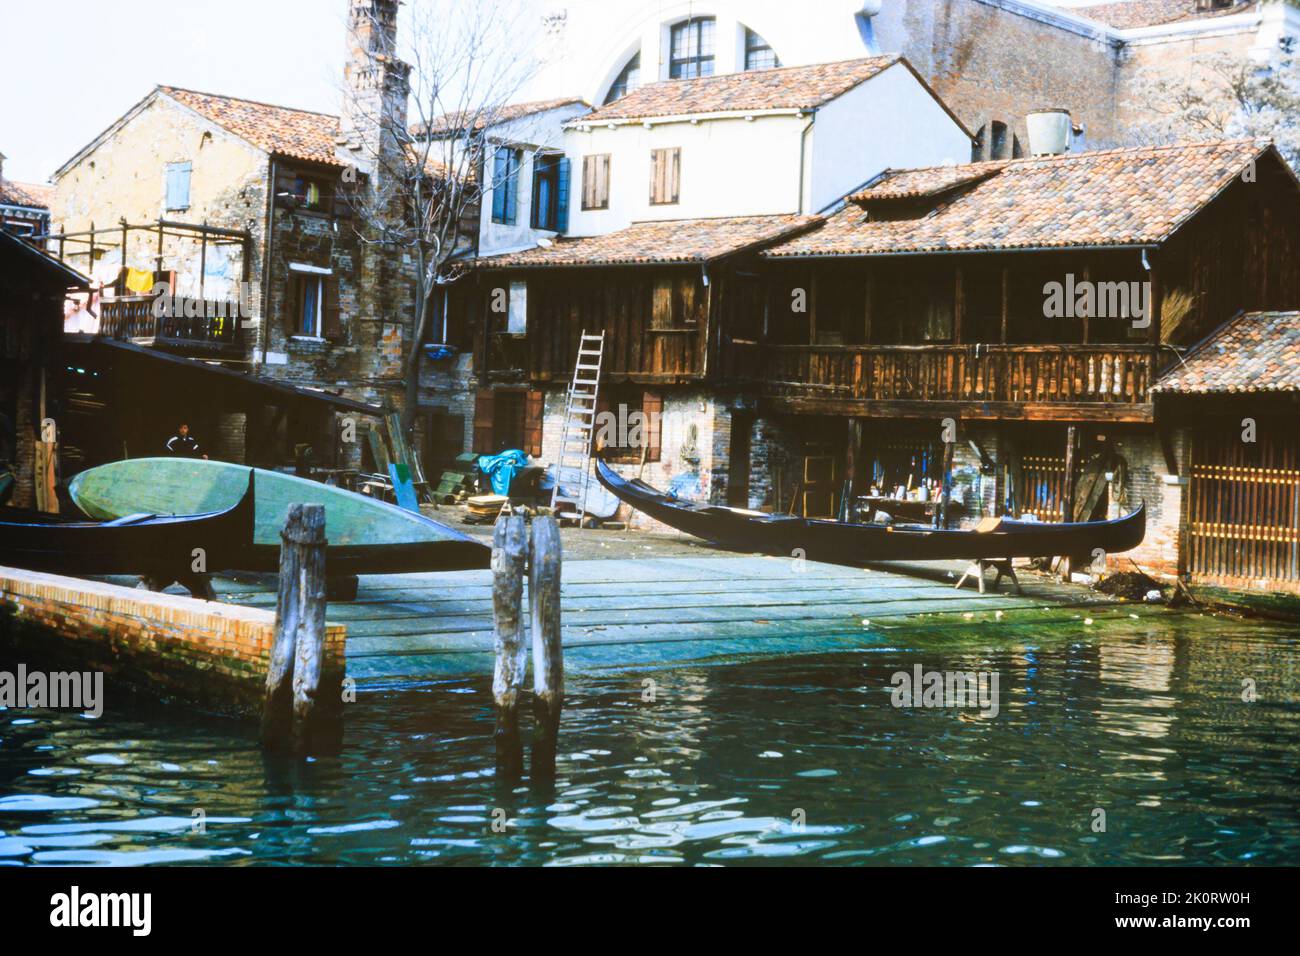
[1061, 382]
[131, 318]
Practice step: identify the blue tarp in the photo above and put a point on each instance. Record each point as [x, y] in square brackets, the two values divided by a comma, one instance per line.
[501, 469]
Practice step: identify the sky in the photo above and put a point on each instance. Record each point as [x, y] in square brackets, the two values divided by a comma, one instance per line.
[72, 67]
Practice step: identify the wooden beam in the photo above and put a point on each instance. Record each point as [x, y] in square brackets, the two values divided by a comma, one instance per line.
[975, 411]
[1067, 495]
[1006, 302]
[959, 304]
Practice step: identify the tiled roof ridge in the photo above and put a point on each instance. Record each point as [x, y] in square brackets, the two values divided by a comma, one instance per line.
[613, 111]
[167, 88]
[719, 77]
[1077, 157]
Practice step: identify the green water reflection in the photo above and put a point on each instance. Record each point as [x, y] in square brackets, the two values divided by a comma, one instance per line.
[798, 759]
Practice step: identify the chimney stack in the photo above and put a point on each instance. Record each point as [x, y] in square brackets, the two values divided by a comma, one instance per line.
[376, 85]
[1049, 132]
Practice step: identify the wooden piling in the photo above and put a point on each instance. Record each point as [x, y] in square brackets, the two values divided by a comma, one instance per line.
[945, 496]
[544, 567]
[1067, 496]
[509, 543]
[293, 677]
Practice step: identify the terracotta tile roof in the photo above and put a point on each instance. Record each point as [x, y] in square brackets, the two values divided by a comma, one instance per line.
[32, 195]
[791, 87]
[1255, 352]
[456, 122]
[923, 183]
[1130, 14]
[1113, 197]
[646, 243]
[277, 129]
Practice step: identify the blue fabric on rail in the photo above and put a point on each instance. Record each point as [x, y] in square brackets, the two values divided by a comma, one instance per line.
[501, 469]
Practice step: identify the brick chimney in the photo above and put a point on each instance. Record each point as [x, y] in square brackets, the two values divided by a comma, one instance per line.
[376, 85]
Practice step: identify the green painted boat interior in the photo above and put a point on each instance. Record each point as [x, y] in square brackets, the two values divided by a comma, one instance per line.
[195, 486]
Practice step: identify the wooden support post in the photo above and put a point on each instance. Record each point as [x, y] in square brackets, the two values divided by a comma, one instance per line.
[544, 566]
[293, 677]
[1067, 495]
[1006, 304]
[509, 542]
[945, 496]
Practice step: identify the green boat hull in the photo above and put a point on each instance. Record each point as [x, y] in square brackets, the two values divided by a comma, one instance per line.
[365, 536]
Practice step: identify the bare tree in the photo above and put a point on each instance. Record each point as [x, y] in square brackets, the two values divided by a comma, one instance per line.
[468, 63]
[1223, 96]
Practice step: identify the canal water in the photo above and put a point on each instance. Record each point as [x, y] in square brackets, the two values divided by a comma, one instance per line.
[1107, 749]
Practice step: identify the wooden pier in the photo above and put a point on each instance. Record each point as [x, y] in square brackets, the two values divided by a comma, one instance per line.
[656, 611]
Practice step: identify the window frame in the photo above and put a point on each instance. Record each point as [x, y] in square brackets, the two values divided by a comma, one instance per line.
[307, 282]
[756, 45]
[507, 163]
[674, 154]
[187, 167]
[593, 197]
[628, 79]
[693, 60]
[549, 167]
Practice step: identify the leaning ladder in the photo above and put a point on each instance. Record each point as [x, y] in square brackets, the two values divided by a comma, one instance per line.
[580, 423]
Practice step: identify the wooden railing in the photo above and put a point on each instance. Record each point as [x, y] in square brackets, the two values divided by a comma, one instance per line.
[962, 373]
[132, 318]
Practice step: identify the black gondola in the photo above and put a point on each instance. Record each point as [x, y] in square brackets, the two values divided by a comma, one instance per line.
[738, 529]
[159, 546]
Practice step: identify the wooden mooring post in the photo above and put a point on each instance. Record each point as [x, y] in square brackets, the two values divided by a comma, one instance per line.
[509, 541]
[291, 714]
[544, 567]
[512, 549]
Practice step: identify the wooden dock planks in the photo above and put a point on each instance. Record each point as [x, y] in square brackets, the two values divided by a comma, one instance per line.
[647, 612]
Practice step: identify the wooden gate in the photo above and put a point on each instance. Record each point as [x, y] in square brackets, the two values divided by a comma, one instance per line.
[1244, 511]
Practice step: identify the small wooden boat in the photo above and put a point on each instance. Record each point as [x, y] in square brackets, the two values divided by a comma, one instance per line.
[148, 544]
[366, 536]
[738, 529]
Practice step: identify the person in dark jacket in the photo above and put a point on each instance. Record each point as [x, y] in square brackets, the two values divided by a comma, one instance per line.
[183, 444]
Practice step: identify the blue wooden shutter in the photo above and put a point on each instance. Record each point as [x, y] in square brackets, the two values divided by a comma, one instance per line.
[500, 167]
[178, 186]
[513, 165]
[562, 197]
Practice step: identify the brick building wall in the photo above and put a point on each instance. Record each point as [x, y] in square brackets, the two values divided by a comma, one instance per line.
[213, 655]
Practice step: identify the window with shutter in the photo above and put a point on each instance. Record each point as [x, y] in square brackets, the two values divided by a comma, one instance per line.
[484, 408]
[505, 185]
[178, 185]
[535, 407]
[652, 407]
[665, 176]
[331, 321]
[595, 181]
[291, 316]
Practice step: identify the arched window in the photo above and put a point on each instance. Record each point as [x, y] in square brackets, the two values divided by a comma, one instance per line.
[693, 47]
[759, 54]
[998, 146]
[977, 147]
[627, 81]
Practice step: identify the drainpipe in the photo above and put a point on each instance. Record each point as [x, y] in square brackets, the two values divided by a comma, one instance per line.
[264, 329]
[803, 160]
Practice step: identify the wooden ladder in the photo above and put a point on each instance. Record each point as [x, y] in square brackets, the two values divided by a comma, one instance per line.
[580, 422]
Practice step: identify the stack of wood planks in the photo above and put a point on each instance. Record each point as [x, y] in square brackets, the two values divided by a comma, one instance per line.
[398, 460]
[457, 482]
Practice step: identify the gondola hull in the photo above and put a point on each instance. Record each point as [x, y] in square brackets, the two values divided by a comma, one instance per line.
[859, 544]
[161, 546]
[365, 536]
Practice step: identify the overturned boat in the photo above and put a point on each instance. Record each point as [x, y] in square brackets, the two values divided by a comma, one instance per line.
[835, 542]
[149, 544]
[365, 535]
